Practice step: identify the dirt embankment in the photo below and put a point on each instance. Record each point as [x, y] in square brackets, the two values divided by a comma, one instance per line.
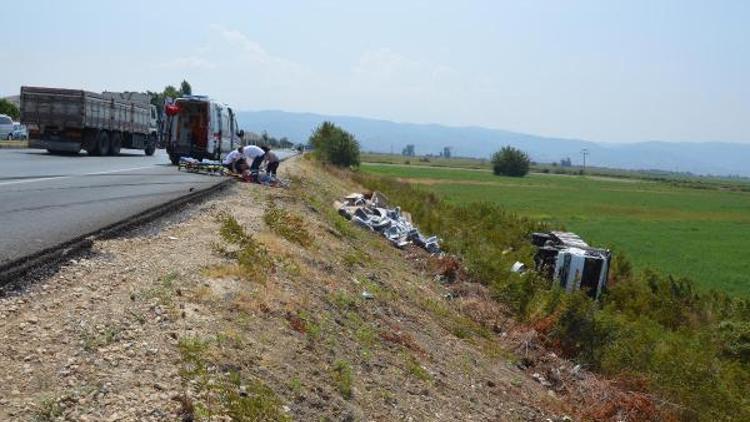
[198, 318]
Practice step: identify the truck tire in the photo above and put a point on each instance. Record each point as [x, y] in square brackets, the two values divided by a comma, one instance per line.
[102, 144]
[174, 158]
[115, 144]
[98, 144]
[151, 144]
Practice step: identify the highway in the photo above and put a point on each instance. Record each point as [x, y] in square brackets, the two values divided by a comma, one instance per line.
[46, 200]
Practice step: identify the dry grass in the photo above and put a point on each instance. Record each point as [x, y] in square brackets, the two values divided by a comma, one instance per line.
[287, 224]
[251, 255]
[223, 271]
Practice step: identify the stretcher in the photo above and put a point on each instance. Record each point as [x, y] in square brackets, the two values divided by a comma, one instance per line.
[195, 166]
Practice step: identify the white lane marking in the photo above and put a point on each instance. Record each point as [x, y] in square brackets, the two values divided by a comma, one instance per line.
[115, 171]
[40, 179]
[15, 182]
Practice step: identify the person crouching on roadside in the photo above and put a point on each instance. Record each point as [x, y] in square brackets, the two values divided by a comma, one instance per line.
[235, 161]
[254, 153]
[272, 161]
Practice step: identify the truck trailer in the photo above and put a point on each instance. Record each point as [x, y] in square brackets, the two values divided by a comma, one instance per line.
[69, 120]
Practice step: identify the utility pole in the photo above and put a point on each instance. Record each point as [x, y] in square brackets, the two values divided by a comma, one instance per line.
[585, 152]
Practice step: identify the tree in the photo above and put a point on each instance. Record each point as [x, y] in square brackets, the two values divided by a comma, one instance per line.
[333, 145]
[157, 98]
[6, 107]
[510, 161]
[171, 92]
[185, 88]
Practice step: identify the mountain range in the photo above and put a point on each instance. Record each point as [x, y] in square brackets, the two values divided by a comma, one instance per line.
[715, 158]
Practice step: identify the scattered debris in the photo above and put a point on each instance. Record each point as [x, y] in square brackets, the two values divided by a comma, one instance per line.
[368, 295]
[568, 260]
[541, 380]
[371, 212]
[518, 267]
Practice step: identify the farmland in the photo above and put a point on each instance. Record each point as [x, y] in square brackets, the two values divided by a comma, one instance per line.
[696, 233]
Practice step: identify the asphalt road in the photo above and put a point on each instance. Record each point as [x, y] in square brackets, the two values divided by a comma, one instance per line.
[46, 200]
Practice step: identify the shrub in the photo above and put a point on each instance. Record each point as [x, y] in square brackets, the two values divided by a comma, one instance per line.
[333, 145]
[735, 339]
[287, 225]
[251, 255]
[342, 375]
[6, 107]
[510, 161]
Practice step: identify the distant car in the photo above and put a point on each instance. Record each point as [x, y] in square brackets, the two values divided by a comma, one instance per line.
[19, 132]
[6, 126]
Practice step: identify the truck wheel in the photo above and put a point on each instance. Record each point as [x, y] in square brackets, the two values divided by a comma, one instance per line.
[174, 158]
[115, 144]
[151, 143]
[98, 144]
[102, 143]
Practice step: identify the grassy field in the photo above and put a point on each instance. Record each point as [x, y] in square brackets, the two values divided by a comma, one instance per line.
[697, 233]
[680, 179]
[469, 163]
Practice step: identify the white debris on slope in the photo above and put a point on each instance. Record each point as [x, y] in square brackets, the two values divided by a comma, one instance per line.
[371, 212]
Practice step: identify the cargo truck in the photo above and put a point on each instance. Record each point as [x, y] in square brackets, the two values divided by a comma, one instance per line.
[69, 120]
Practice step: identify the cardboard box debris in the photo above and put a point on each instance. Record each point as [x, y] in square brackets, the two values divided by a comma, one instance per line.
[372, 212]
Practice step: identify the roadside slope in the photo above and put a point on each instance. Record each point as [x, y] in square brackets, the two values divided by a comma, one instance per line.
[250, 305]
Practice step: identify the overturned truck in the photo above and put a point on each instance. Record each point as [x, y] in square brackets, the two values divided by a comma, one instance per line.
[569, 261]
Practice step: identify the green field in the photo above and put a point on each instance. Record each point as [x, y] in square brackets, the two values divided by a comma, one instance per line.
[702, 234]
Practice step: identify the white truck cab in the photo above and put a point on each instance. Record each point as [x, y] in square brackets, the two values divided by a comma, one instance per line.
[571, 263]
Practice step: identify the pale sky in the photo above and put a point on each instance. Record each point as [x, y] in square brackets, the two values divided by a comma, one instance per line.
[612, 71]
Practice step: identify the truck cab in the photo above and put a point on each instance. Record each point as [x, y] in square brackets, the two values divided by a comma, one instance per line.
[571, 263]
[153, 122]
[200, 128]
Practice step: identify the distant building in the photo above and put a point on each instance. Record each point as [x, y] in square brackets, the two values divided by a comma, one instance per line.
[408, 151]
[447, 152]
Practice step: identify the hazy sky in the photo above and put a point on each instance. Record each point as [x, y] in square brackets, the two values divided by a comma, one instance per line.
[600, 70]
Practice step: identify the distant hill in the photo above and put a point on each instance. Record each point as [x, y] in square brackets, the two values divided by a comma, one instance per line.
[717, 158]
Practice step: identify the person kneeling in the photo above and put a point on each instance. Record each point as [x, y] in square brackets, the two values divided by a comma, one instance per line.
[235, 161]
[272, 161]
